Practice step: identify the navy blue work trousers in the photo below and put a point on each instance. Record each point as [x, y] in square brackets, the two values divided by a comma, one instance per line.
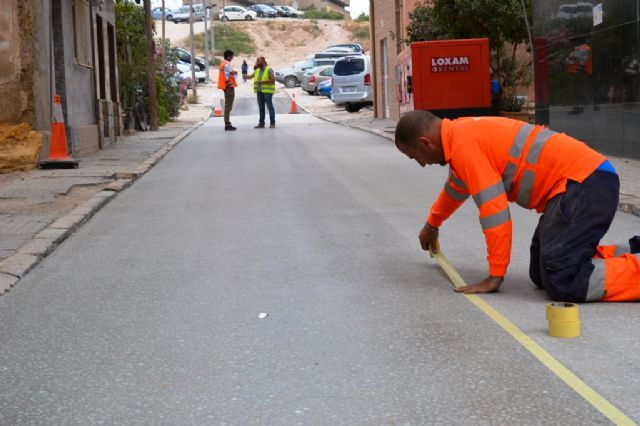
[266, 98]
[568, 233]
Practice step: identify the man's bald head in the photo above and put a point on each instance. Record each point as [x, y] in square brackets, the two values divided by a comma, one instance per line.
[415, 124]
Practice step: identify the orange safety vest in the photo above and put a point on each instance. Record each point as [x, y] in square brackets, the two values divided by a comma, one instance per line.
[496, 160]
[580, 60]
[222, 81]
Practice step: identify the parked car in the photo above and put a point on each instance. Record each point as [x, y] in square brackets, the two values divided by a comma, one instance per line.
[352, 82]
[182, 14]
[293, 12]
[185, 71]
[354, 47]
[324, 88]
[334, 53]
[282, 11]
[292, 77]
[264, 11]
[184, 57]
[236, 13]
[314, 76]
[156, 13]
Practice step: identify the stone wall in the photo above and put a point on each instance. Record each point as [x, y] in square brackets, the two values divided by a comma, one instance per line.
[16, 61]
[384, 30]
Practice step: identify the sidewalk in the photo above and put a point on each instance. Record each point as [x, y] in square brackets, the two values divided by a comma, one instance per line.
[40, 208]
[321, 107]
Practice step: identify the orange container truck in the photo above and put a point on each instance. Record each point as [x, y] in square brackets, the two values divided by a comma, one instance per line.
[450, 78]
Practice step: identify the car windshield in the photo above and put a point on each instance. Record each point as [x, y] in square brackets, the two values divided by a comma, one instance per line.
[350, 66]
[183, 10]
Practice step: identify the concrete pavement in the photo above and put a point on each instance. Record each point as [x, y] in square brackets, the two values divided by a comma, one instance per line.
[151, 312]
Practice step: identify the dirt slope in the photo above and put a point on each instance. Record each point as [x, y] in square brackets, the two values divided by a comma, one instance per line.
[282, 41]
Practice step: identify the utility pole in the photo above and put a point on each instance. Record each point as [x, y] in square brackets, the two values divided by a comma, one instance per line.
[193, 63]
[206, 46]
[151, 67]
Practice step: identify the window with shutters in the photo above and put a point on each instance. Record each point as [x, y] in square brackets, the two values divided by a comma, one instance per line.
[82, 32]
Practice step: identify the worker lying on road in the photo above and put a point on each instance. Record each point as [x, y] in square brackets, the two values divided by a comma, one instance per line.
[496, 160]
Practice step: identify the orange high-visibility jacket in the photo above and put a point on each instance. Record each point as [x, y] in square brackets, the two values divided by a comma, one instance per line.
[496, 160]
[222, 81]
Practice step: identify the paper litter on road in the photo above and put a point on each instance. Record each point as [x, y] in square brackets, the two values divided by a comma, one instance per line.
[263, 315]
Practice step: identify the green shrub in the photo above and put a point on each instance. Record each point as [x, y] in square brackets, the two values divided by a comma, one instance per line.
[227, 36]
[312, 13]
[363, 17]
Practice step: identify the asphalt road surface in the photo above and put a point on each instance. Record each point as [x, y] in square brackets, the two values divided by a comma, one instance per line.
[274, 277]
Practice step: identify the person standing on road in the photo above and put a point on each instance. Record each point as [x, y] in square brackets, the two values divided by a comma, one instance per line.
[227, 83]
[264, 86]
[496, 160]
[245, 70]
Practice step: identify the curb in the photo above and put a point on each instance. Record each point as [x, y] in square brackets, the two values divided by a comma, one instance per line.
[28, 255]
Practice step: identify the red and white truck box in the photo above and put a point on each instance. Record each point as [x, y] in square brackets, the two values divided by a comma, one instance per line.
[450, 78]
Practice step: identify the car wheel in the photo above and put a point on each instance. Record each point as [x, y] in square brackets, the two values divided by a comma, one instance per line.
[315, 92]
[224, 19]
[290, 82]
[247, 18]
[351, 108]
[260, 15]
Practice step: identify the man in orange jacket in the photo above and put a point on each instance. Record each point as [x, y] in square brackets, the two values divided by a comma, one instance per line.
[496, 160]
[227, 83]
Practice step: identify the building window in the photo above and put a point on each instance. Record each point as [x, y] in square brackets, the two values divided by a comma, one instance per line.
[82, 32]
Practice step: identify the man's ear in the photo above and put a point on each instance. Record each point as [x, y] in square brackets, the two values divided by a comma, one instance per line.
[424, 141]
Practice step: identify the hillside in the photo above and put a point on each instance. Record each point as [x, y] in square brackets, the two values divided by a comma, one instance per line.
[281, 41]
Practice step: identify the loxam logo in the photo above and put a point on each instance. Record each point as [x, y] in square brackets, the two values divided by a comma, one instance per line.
[450, 64]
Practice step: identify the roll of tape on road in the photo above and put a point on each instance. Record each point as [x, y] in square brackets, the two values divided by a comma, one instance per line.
[564, 319]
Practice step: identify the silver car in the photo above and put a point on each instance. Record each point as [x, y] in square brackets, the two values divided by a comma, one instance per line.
[314, 76]
[292, 77]
[352, 82]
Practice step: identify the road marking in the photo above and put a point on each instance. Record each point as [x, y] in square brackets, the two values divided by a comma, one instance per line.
[573, 381]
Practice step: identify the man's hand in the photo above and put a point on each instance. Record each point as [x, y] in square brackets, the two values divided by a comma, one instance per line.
[429, 237]
[488, 285]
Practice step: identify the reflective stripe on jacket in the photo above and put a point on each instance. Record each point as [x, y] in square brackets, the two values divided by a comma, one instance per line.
[261, 76]
[496, 160]
[222, 80]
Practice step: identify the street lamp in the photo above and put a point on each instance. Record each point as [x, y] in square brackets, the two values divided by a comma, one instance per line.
[206, 40]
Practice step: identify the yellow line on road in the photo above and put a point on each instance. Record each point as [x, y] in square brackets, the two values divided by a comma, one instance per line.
[573, 381]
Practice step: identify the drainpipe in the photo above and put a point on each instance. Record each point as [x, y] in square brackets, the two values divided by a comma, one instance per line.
[374, 68]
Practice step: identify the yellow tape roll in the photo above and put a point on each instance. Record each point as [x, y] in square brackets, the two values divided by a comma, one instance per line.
[564, 319]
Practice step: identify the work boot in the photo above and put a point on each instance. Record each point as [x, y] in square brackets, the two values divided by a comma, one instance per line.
[272, 126]
[634, 244]
[229, 127]
[259, 126]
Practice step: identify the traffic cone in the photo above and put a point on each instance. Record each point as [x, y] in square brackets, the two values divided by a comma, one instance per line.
[217, 109]
[58, 149]
[294, 106]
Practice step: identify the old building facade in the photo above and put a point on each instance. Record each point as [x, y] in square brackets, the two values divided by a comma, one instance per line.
[388, 20]
[63, 47]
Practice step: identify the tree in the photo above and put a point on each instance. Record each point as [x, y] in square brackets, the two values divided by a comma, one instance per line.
[501, 21]
[151, 67]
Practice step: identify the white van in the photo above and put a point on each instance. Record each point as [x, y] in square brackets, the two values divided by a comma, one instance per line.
[352, 82]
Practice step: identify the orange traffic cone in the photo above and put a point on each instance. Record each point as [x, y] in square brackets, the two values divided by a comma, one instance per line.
[217, 110]
[58, 148]
[294, 106]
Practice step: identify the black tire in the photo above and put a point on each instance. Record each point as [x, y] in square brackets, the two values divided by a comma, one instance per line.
[352, 108]
[248, 18]
[224, 19]
[290, 81]
[260, 15]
